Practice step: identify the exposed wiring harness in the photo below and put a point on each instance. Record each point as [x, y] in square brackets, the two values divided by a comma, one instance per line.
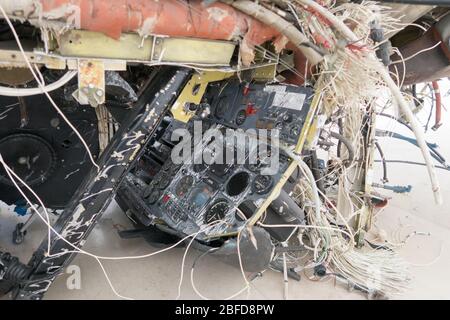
[384, 75]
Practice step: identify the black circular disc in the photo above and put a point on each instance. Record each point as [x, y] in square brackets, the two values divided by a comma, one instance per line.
[217, 211]
[32, 125]
[29, 156]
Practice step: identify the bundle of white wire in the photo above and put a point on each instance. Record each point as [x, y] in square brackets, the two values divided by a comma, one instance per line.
[377, 270]
[343, 34]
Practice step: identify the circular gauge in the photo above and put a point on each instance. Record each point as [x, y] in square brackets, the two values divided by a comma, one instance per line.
[154, 196]
[217, 211]
[238, 183]
[262, 160]
[262, 184]
[241, 117]
[164, 180]
[30, 157]
[184, 185]
[220, 169]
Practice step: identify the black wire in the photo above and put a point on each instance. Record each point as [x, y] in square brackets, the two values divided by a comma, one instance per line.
[413, 163]
[317, 172]
[401, 121]
[429, 117]
[341, 132]
[383, 160]
[348, 145]
[434, 153]
[378, 247]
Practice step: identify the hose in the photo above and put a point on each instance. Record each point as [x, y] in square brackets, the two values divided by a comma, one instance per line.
[432, 146]
[414, 163]
[25, 92]
[434, 153]
[383, 160]
[348, 145]
[401, 121]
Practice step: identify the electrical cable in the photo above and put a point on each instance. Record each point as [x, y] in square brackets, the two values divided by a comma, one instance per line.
[26, 92]
[348, 145]
[399, 120]
[416, 54]
[78, 250]
[383, 160]
[413, 163]
[434, 153]
[184, 259]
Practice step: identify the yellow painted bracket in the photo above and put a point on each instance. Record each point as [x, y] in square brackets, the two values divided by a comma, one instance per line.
[193, 93]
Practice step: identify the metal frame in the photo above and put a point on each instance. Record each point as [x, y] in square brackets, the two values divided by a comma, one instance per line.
[99, 188]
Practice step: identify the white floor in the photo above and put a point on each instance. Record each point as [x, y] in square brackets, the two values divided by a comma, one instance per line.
[157, 277]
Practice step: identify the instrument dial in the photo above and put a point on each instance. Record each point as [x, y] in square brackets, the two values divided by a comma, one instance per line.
[262, 184]
[220, 169]
[263, 158]
[217, 211]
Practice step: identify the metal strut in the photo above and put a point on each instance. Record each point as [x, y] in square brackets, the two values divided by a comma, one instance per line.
[99, 188]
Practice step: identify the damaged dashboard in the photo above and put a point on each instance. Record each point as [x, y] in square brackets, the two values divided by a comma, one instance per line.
[202, 187]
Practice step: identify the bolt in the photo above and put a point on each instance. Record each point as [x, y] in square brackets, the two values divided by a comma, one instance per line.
[99, 92]
[22, 160]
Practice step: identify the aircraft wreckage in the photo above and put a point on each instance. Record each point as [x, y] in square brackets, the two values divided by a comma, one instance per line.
[244, 129]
